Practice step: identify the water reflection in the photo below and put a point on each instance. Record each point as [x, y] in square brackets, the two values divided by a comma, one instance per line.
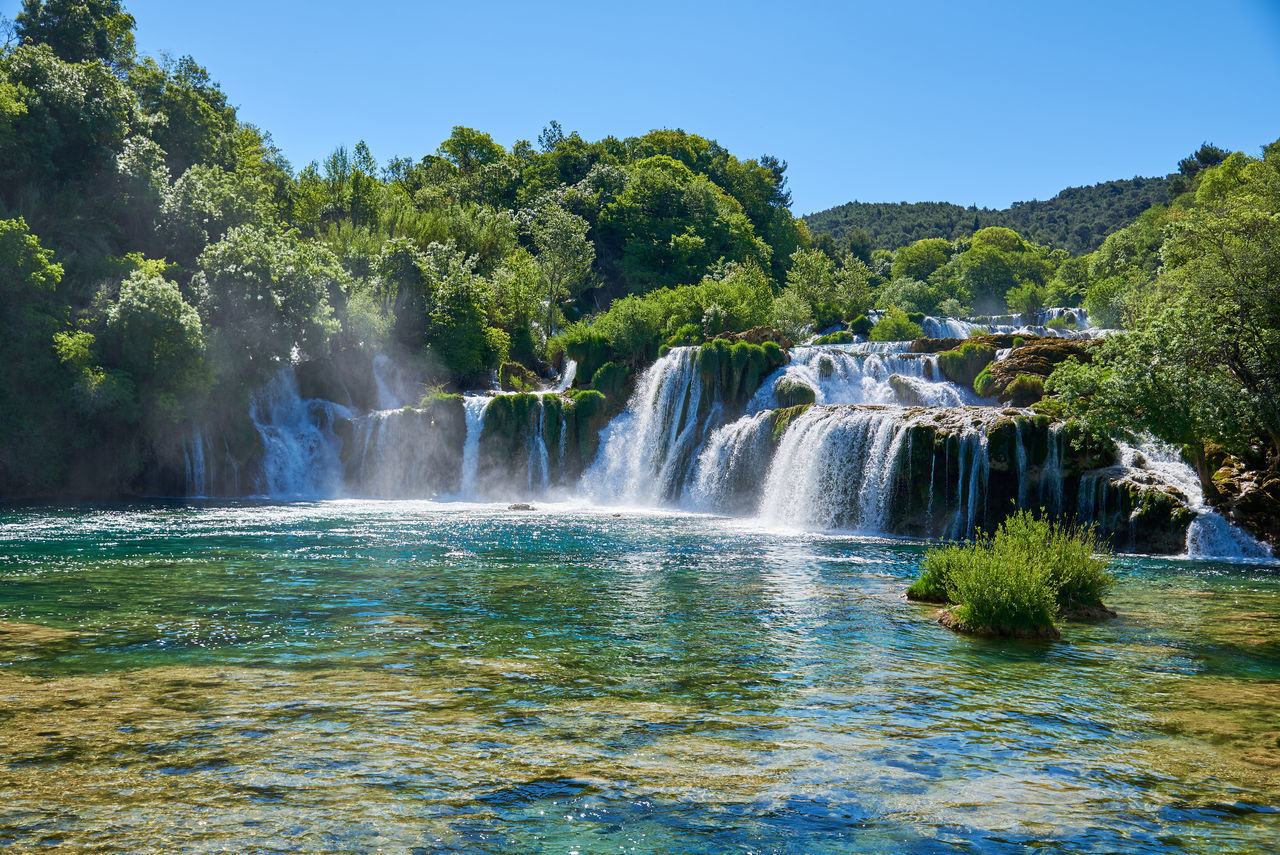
[351, 676]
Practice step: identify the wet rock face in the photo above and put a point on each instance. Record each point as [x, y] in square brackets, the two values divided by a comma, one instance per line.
[1014, 377]
[1251, 500]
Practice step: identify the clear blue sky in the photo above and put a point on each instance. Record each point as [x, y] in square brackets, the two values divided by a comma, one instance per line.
[973, 102]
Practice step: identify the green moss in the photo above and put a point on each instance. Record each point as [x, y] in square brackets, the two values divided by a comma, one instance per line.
[984, 384]
[1025, 390]
[837, 337]
[783, 418]
[610, 379]
[962, 365]
[791, 392]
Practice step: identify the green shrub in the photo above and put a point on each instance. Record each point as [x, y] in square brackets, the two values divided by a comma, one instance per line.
[984, 384]
[1001, 593]
[916, 317]
[861, 325]
[978, 332]
[935, 578]
[837, 337]
[895, 326]
[963, 364]
[609, 379]
[1060, 323]
[1025, 390]
[514, 377]
[1014, 582]
[689, 334]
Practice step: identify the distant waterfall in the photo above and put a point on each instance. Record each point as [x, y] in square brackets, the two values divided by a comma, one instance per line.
[647, 453]
[842, 376]
[195, 470]
[300, 451]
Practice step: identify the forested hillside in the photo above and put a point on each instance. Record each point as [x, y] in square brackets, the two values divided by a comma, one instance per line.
[160, 261]
[1078, 219]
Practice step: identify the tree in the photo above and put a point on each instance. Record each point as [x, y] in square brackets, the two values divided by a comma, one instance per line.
[79, 30]
[669, 226]
[918, 260]
[564, 255]
[266, 296]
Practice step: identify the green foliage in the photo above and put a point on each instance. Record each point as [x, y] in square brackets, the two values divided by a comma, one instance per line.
[895, 326]
[1024, 390]
[837, 337]
[984, 384]
[936, 571]
[861, 325]
[1015, 581]
[1076, 220]
[964, 364]
[79, 30]
[609, 379]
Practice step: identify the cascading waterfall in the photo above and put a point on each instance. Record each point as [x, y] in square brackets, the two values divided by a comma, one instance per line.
[834, 469]
[1210, 535]
[474, 405]
[733, 465]
[300, 451]
[889, 446]
[196, 471]
[646, 452]
[842, 376]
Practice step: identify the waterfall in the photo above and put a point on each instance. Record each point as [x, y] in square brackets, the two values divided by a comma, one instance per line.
[1210, 535]
[195, 468]
[733, 465]
[842, 376]
[834, 469]
[646, 452]
[566, 377]
[474, 405]
[1051, 473]
[1020, 454]
[401, 454]
[300, 451]
[384, 376]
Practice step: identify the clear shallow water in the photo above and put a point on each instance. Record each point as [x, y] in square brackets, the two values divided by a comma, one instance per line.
[418, 677]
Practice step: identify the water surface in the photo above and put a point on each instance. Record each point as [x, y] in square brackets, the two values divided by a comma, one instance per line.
[420, 677]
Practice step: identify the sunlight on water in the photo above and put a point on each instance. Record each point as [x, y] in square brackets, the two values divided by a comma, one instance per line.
[416, 677]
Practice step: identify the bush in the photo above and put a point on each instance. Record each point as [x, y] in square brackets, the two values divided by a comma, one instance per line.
[837, 337]
[514, 377]
[984, 384]
[1014, 582]
[609, 379]
[895, 326]
[861, 325]
[1025, 390]
[962, 365]
[934, 581]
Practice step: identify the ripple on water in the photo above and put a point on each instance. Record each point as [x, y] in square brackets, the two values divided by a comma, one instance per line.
[351, 676]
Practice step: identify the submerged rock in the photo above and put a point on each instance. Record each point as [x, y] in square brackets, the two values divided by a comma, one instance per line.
[949, 619]
[520, 506]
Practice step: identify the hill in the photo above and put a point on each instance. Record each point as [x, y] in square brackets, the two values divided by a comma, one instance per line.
[1077, 219]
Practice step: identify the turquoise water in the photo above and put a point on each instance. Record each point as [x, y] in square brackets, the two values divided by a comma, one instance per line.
[419, 677]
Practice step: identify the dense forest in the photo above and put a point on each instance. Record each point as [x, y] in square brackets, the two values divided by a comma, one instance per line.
[160, 260]
[1078, 219]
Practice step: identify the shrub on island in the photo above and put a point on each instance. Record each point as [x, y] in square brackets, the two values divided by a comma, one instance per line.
[1015, 582]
